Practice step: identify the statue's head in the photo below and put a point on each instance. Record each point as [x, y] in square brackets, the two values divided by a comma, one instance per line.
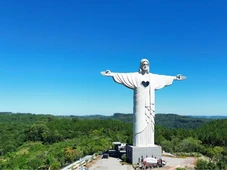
[144, 66]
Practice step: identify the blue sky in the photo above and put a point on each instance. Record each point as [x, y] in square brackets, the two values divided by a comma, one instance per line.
[52, 52]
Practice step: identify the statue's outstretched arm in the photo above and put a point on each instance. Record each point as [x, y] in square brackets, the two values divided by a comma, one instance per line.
[163, 80]
[127, 79]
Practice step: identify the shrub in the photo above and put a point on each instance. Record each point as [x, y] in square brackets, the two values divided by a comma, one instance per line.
[123, 157]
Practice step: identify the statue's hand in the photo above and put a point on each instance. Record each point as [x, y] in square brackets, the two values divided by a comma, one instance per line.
[106, 73]
[180, 77]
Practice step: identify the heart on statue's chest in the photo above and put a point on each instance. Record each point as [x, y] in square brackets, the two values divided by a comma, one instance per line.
[145, 83]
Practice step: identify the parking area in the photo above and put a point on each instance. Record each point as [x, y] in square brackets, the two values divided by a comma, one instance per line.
[172, 163]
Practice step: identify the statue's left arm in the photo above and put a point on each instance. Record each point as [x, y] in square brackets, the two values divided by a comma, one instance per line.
[161, 81]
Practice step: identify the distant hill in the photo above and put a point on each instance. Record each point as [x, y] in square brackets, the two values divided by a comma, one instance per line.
[165, 120]
[210, 117]
[178, 121]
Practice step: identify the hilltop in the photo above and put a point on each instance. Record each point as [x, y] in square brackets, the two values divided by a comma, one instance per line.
[166, 120]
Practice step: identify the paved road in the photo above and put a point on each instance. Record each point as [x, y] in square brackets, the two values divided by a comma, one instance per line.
[172, 161]
[110, 164]
[114, 164]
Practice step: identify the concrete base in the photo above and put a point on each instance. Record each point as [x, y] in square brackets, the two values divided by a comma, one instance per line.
[135, 154]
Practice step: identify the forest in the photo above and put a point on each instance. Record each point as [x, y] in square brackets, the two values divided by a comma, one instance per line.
[30, 141]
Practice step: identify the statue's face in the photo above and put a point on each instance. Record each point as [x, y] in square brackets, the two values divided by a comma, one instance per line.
[145, 66]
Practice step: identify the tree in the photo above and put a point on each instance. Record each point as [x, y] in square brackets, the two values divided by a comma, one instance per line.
[55, 166]
[190, 145]
[38, 132]
[201, 164]
[71, 154]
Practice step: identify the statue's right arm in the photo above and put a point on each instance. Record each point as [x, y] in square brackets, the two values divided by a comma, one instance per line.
[127, 79]
[106, 73]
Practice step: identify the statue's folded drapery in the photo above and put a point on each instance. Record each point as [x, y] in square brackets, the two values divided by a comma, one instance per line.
[144, 87]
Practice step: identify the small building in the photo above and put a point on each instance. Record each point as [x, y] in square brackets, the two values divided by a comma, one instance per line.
[118, 149]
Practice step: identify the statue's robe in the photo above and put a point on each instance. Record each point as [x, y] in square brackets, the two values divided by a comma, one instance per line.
[144, 87]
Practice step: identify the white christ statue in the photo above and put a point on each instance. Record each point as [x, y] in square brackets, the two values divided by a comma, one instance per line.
[144, 85]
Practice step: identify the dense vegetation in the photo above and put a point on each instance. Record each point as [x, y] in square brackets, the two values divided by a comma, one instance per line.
[30, 141]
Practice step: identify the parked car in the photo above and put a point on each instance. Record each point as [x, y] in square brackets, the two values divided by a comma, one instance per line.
[105, 156]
